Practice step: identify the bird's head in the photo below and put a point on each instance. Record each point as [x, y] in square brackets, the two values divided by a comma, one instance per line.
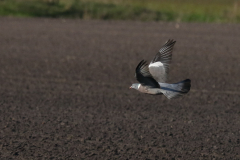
[135, 86]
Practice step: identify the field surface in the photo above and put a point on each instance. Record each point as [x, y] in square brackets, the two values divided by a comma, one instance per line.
[64, 91]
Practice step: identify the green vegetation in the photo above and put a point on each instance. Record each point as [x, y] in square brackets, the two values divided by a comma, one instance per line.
[145, 10]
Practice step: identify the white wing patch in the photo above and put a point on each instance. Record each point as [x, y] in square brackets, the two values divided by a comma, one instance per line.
[139, 86]
[159, 66]
[158, 72]
[156, 64]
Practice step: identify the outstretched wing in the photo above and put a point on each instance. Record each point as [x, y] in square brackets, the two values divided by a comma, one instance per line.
[159, 66]
[144, 76]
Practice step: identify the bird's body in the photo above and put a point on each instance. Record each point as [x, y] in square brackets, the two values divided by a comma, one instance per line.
[153, 77]
[146, 89]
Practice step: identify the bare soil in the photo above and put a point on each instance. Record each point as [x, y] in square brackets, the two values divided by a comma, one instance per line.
[64, 91]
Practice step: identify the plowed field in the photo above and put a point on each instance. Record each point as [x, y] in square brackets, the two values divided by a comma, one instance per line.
[64, 90]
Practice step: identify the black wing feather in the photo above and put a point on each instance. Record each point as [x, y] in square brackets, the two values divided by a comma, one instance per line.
[144, 76]
[165, 54]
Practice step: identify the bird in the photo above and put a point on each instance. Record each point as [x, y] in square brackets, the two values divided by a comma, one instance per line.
[152, 77]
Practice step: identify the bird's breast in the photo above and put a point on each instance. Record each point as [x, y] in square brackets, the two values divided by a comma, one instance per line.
[145, 89]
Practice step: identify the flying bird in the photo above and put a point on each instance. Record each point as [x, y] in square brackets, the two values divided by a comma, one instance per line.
[152, 78]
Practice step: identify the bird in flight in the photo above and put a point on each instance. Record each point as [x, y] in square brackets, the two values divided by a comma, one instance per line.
[152, 78]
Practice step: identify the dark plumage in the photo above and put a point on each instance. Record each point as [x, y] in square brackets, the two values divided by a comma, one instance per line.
[144, 77]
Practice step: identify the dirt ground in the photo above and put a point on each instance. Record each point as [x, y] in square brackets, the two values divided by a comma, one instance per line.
[64, 91]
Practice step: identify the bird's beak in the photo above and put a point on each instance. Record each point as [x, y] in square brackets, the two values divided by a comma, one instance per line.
[130, 87]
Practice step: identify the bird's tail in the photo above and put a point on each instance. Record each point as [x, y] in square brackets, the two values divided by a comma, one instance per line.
[176, 89]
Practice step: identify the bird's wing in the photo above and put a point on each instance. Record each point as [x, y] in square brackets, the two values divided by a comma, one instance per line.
[159, 66]
[144, 76]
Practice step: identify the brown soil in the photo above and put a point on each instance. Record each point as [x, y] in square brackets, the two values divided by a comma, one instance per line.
[64, 88]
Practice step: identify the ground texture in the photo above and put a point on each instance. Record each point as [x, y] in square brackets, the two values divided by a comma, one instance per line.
[64, 91]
